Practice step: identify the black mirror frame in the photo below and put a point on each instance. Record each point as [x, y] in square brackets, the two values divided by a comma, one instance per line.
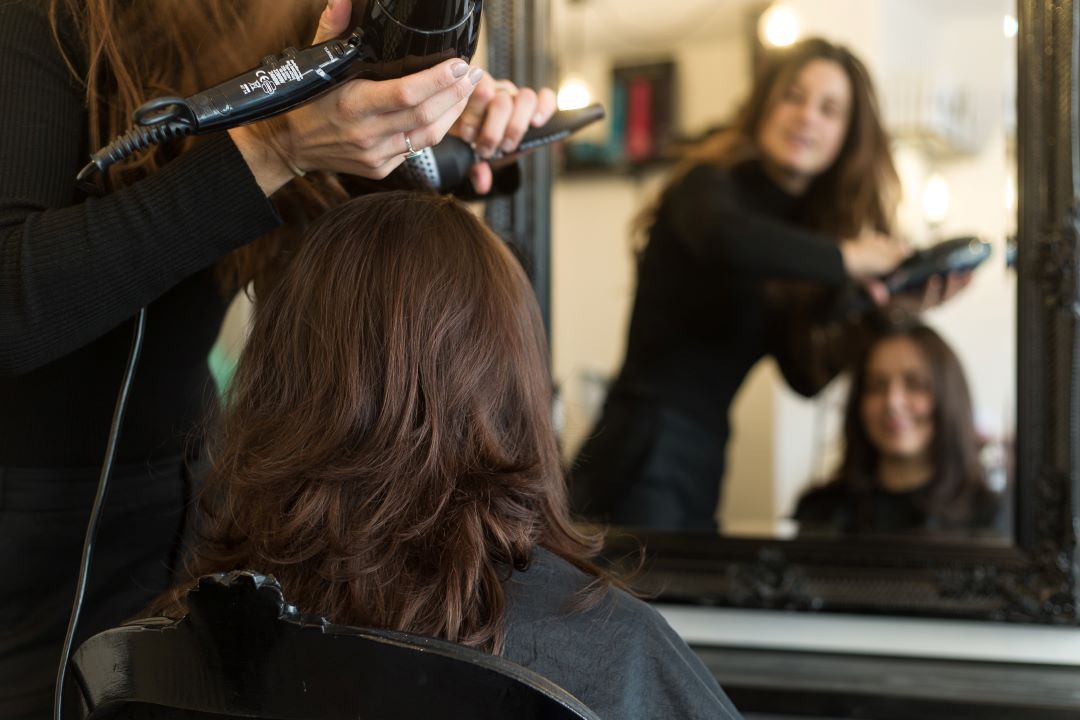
[1034, 579]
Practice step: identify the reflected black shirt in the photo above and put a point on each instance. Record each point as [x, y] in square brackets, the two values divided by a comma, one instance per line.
[701, 319]
[834, 509]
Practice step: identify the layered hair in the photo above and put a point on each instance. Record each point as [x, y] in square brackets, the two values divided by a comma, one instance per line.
[860, 191]
[129, 52]
[386, 448]
[958, 478]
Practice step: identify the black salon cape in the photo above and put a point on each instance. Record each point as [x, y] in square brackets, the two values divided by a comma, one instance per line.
[701, 320]
[619, 657]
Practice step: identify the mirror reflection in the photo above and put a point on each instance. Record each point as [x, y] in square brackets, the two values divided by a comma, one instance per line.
[783, 302]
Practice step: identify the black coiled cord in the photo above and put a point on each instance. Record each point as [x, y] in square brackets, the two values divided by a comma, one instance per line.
[157, 121]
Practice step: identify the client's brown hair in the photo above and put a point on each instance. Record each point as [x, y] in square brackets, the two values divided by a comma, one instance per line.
[958, 478]
[386, 449]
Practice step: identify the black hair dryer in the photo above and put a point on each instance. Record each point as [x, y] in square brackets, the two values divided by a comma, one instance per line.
[390, 38]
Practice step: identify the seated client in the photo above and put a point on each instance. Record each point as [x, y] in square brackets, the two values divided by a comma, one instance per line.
[911, 456]
[386, 452]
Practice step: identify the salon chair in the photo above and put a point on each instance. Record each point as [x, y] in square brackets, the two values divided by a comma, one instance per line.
[243, 651]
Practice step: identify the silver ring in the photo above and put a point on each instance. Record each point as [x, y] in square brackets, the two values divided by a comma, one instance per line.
[410, 153]
[507, 87]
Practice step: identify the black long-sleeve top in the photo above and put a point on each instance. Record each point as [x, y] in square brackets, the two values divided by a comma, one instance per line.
[836, 508]
[74, 269]
[701, 316]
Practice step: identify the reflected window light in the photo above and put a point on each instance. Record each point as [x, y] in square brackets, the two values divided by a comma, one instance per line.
[935, 199]
[573, 94]
[1010, 26]
[1010, 193]
[779, 26]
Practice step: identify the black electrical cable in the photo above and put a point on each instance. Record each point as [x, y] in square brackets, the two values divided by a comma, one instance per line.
[135, 139]
[99, 503]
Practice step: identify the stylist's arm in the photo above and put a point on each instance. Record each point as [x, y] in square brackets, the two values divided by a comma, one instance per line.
[360, 128]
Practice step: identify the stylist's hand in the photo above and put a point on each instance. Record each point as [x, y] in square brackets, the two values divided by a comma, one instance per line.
[937, 290]
[872, 254]
[496, 117]
[359, 127]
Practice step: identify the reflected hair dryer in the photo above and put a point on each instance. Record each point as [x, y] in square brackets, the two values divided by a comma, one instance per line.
[955, 255]
[390, 38]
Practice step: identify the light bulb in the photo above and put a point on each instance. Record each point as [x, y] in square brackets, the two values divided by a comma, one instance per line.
[935, 199]
[779, 26]
[573, 94]
[1010, 193]
[1010, 26]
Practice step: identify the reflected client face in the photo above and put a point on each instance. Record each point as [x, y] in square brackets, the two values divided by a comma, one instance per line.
[897, 405]
[804, 130]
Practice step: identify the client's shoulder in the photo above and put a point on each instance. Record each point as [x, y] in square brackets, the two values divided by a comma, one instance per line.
[822, 499]
[552, 587]
[608, 648]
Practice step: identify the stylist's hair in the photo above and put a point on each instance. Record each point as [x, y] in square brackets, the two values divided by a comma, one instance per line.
[132, 52]
[386, 450]
[861, 189]
[958, 475]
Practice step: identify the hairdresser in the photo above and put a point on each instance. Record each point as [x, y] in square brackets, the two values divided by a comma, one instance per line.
[178, 230]
[754, 248]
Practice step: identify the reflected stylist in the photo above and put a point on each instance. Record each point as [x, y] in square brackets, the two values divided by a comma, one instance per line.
[753, 249]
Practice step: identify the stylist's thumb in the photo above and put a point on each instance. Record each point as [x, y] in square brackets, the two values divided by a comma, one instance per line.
[334, 20]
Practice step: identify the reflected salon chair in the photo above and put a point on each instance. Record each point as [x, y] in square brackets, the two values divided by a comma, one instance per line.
[243, 651]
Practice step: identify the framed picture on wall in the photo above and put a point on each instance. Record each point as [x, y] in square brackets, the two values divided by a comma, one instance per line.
[643, 111]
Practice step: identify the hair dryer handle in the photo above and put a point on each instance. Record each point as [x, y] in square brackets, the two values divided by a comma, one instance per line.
[445, 166]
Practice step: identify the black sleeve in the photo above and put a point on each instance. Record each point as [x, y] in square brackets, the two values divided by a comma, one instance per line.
[706, 213]
[72, 269]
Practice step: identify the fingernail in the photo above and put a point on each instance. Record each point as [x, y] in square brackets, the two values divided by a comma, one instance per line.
[484, 151]
[537, 119]
[459, 68]
[476, 75]
[508, 145]
[468, 133]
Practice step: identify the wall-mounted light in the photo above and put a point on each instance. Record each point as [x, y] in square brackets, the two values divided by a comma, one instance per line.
[573, 93]
[1010, 26]
[1010, 193]
[778, 26]
[935, 199]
